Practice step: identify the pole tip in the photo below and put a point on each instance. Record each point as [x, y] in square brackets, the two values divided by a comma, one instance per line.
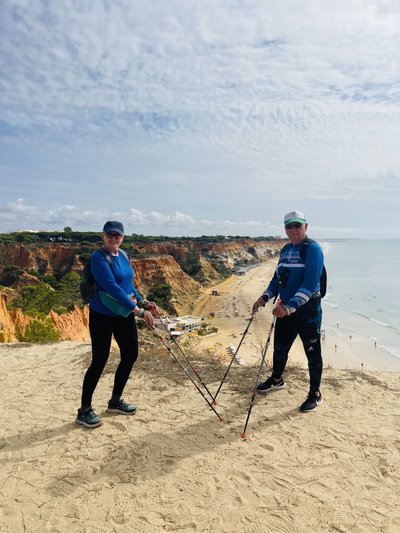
[244, 435]
[213, 402]
[221, 419]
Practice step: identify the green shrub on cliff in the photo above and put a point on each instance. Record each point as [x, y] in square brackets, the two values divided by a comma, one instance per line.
[190, 264]
[68, 292]
[39, 331]
[34, 300]
[161, 295]
[41, 299]
[222, 269]
[11, 273]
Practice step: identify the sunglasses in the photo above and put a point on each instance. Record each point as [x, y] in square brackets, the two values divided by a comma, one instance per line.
[110, 235]
[293, 226]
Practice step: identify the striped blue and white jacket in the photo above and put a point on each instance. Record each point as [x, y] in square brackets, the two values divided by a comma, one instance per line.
[300, 279]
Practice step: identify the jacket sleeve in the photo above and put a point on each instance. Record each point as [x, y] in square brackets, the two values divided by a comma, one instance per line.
[137, 295]
[104, 276]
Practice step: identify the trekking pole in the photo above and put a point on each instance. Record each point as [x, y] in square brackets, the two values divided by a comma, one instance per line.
[233, 358]
[187, 373]
[185, 357]
[264, 353]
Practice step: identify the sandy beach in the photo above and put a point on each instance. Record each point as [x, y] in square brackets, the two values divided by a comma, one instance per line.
[174, 466]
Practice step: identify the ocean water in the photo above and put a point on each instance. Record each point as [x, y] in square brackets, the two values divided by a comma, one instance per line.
[363, 291]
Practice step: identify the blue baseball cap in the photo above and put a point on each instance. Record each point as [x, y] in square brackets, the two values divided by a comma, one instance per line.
[113, 225]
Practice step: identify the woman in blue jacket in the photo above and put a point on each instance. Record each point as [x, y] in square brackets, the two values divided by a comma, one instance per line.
[112, 311]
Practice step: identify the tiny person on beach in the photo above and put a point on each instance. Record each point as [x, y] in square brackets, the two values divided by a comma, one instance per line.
[298, 311]
[112, 311]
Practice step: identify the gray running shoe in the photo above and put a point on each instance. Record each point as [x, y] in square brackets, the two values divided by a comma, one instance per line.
[121, 408]
[270, 384]
[88, 418]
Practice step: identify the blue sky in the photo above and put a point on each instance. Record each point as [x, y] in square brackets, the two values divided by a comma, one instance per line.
[191, 118]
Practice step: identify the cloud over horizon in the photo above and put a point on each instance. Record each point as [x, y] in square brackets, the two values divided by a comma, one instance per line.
[18, 216]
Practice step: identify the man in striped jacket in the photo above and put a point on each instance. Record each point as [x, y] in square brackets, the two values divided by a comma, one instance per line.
[298, 310]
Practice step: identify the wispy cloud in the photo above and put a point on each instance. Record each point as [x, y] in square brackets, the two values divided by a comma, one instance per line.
[18, 215]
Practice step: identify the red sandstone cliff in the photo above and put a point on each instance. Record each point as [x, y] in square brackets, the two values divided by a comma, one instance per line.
[156, 263]
[164, 269]
[72, 325]
[61, 258]
[232, 249]
[10, 321]
[45, 259]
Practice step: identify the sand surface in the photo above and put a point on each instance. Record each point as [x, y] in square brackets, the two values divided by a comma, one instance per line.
[174, 467]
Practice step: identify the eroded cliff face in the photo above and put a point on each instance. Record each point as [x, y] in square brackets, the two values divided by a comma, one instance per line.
[164, 269]
[207, 273]
[246, 249]
[231, 253]
[163, 248]
[72, 325]
[57, 259]
[44, 259]
[9, 322]
[155, 264]
[234, 250]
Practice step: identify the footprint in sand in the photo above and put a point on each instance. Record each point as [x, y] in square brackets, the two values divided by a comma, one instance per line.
[118, 425]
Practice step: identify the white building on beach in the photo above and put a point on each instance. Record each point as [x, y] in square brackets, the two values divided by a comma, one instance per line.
[182, 324]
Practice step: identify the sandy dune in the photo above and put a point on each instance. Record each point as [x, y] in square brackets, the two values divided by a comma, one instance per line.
[175, 467]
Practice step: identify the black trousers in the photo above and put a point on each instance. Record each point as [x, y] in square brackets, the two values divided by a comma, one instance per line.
[306, 322]
[102, 328]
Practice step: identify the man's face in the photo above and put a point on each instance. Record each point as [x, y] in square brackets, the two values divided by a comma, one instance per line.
[296, 232]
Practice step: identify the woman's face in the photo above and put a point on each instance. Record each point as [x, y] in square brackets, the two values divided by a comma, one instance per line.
[112, 240]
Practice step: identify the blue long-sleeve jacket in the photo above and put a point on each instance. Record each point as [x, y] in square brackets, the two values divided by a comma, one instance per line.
[302, 278]
[115, 281]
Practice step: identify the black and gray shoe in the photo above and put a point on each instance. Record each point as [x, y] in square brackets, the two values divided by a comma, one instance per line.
[88, 418]
[311, 402]
[270, 384]
[121, 408]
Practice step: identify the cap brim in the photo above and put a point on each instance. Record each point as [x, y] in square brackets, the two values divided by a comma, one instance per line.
[300, 220]
[115, 230]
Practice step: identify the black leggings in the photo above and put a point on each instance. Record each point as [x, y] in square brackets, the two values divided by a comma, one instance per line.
[306, 322]
[102, 327]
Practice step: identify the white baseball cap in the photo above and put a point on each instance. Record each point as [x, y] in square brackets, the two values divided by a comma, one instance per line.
[294, 216]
